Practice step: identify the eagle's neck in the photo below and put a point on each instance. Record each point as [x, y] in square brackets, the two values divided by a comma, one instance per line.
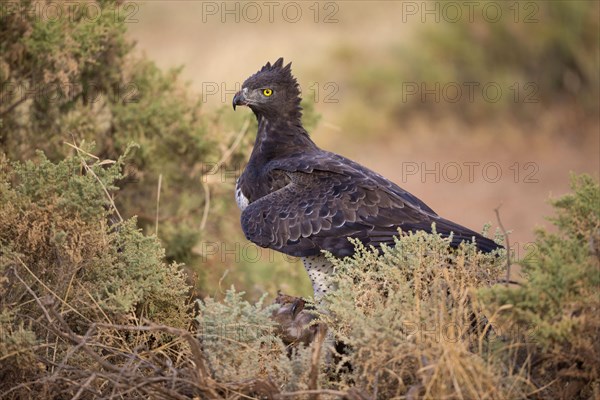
[278, 137]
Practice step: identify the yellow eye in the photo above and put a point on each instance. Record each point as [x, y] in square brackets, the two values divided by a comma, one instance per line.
[267, 92]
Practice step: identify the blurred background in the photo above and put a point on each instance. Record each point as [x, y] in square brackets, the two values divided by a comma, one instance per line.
[470, 106]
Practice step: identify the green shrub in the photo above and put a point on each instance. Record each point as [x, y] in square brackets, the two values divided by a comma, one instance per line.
[560, 299]
[60, 253]
[76, 79]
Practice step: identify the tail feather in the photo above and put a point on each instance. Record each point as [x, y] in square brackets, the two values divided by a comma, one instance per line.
[462, 234]
[484, 244]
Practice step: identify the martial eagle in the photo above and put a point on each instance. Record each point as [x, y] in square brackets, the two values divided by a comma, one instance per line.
[298, 199]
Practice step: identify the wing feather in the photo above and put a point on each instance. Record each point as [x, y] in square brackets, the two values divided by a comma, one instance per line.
[328, 198]
[315, 212]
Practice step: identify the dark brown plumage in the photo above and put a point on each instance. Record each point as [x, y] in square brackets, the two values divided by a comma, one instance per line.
[300, 200]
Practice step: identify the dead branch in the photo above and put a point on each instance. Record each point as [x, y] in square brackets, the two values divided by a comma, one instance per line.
[508, 263]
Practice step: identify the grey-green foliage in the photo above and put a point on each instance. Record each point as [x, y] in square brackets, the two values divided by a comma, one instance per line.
[563, 271]
[133, 277]
[559, 300]
[240, 342]
[395, 312]
[17, 342]
[56, 234]
[63, 247]
[64, 184]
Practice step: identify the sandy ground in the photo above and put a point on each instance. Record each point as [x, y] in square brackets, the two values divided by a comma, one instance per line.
[462, 171]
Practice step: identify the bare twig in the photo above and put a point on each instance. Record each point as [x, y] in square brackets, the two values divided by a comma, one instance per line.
[32, 293]
[315, 363]
[231, 149]
[226, 155]
[256, 388]
[157, 203]
[91, 172]
[48, 289]
[206, 189]
[199, 360]
[13, 106]
[337, 393]
[84, 387]
[79, 150]
[508, 263]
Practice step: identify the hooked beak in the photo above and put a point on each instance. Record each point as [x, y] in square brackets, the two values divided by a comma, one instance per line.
[239, 99]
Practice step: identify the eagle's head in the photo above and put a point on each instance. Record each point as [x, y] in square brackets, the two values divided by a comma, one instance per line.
[272, 92]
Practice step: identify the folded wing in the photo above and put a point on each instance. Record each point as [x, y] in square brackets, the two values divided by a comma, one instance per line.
[318, 210]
